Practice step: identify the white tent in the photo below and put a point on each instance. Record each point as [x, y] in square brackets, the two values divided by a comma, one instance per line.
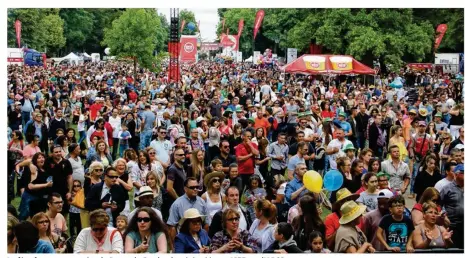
[86, 55]
[73, 59]
[250, 59]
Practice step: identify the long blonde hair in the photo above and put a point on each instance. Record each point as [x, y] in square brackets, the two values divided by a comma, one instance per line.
[155, 176]
[196, 164]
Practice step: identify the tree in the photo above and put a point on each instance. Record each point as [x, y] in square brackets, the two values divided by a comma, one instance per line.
[103, 17]
[133, 35]
[188, 16]
[78, 26]
[232, 17]
[54, 38]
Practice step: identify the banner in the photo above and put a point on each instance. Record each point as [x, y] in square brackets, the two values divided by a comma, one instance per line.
[440, 31]
[18, 32]
[183, 23]
[240, 27]
[315, 63]
[258, 22]
[231, 41]
[341, 63]
[291, 55]
[188, 51]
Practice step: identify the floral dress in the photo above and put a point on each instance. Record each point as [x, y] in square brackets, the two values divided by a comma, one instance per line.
[250, 197]
[221, 238]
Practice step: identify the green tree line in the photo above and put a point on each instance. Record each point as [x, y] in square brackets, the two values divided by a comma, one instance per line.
[393, 36]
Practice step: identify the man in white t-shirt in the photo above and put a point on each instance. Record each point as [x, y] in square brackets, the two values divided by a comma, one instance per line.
[162, 147]
[115, 122]
[335, 148]
[450, 176]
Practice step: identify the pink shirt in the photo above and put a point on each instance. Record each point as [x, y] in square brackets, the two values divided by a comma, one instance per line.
[29, 151]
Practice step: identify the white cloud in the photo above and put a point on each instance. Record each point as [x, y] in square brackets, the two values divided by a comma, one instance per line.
[208, 20]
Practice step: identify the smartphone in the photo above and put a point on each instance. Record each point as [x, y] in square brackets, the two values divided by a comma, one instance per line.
[113, 203]
[49, 179]
[145, 240]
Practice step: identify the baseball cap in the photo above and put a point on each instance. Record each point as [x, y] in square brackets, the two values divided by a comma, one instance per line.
[421, 123]
[459, 146]
[385, 193]
[458, 169]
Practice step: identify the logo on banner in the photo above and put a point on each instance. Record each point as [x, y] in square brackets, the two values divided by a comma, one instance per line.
[315, 63]
[188, 47]
[341, 63]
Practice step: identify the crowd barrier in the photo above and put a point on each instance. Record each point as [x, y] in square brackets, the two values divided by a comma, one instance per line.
[433, 250]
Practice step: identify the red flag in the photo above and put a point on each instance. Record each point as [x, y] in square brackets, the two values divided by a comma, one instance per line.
[440, 31]
[227, 31]
[258, 22]
[224, 20]
[18, 32]
[239, 29]
[183, 23]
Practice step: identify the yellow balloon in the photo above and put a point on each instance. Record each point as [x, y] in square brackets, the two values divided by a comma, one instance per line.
[313, 181]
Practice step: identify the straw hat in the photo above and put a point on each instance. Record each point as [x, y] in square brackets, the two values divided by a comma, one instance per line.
[144, 191]
[350, 211]
[209, 176]
[191, 213]
[423, 112]
[342, 196]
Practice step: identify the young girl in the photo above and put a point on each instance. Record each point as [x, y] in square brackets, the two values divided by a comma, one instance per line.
[315, 240]
[74, 212]
[121, 223]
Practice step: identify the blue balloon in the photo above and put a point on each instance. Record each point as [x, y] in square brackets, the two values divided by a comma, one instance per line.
[191, 26]
[333, 180]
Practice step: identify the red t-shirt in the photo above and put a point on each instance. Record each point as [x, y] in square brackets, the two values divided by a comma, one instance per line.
[332, 224]
[327, 114]
[94, 108]
[245, 167]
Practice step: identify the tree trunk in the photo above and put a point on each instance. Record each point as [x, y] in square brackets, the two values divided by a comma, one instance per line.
[135, 67]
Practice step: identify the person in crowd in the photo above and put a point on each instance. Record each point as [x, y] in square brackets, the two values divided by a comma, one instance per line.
[295, 188]
[306, 222]
[254, 191]
[429, 234]
[191, 237]
[107, 195]
[42, 222]
[369, 197]
[302, 150]
[233, 180]
[153, 181]
[93, 177]
[398, 171]
[122, 223]
[74, 212]
[144, 199]
[124, 180]
[278, 152]
[146, 233]
[374, 166]
[162, 146]
[349, 238]
[428, 176]
[452, 201]
[225, 154]
[245, 154]
[213, 197]
[197, 167]
[232, 239]
[371, 219]
[188, 200]
[336, 146]
[102, 154]
[284, 242]
[376, 139]
[263, 226]
[12, 244]
[176, 175]
[399, 237]
[429, 195]
[99, 238]
[450, 176]
[316, 242]
[422, 144]
[365, 156]
[26, 235]
[398, 140]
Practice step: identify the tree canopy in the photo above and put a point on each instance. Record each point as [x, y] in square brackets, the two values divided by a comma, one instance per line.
[187, 16]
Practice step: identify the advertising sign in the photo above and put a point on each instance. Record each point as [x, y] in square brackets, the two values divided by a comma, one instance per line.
[315, 63]
[341, 63]
[188, 48]
[256, 57]
[291, 55]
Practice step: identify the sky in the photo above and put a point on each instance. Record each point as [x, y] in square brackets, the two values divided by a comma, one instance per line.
[208, 20]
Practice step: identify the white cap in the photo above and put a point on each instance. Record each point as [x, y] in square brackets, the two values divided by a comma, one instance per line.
[459, 146]
[385, 193]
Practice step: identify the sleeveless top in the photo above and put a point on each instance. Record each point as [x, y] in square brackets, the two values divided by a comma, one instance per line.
[213, 207]
[437, 242]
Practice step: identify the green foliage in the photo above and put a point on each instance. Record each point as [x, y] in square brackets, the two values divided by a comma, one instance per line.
[79, 24]
[188, 16]
[53, 26]
[133, 35]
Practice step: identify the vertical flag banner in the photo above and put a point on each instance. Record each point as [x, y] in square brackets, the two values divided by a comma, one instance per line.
[224, 20]
[18, 32]
[240, 27]
[183, 23]
[440, 31]
[258, 22]
[188, 51]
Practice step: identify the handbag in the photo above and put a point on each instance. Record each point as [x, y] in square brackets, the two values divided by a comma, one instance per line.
[79, 199]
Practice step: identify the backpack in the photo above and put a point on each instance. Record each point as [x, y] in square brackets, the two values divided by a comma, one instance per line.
[421, 146]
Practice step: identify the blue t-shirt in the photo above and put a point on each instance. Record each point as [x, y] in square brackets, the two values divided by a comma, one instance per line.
[43, 247]
[149, 118]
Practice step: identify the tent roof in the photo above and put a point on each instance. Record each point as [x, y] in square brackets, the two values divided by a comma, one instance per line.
[85, 54]
[327, 64]
[72, 56]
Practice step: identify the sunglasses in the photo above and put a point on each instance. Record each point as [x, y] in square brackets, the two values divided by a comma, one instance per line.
[144, 219]
[98, 170]
[113, 177]
[151, 153]
[180, 155]
[235, 219]
[76, 185]
[216, 180]
[98, 229]
[43, 222]
[194, 187]
[162, 132]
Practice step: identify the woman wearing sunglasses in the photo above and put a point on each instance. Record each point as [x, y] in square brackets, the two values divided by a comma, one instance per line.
[213, 197]
[428, 234]
[99, 238]
[192, 238]
[232, 239]
[146, 233]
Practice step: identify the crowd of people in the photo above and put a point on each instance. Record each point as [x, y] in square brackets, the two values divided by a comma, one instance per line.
[108, 159]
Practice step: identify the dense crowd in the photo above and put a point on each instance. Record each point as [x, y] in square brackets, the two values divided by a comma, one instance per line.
[108, 159]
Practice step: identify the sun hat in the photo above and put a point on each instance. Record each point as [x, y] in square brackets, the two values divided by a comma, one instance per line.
[342, 114]
[144, 191]
[239, 109]
[348, 147]
[327, 120]
[200, 119]
[191, 213]
[423, 112]
[251, 119]
[385, 193]
[227, 111]
[438, 114]
[412, 111]
[209, 176]
[382, 173]
[350, 211]
[342, 196]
